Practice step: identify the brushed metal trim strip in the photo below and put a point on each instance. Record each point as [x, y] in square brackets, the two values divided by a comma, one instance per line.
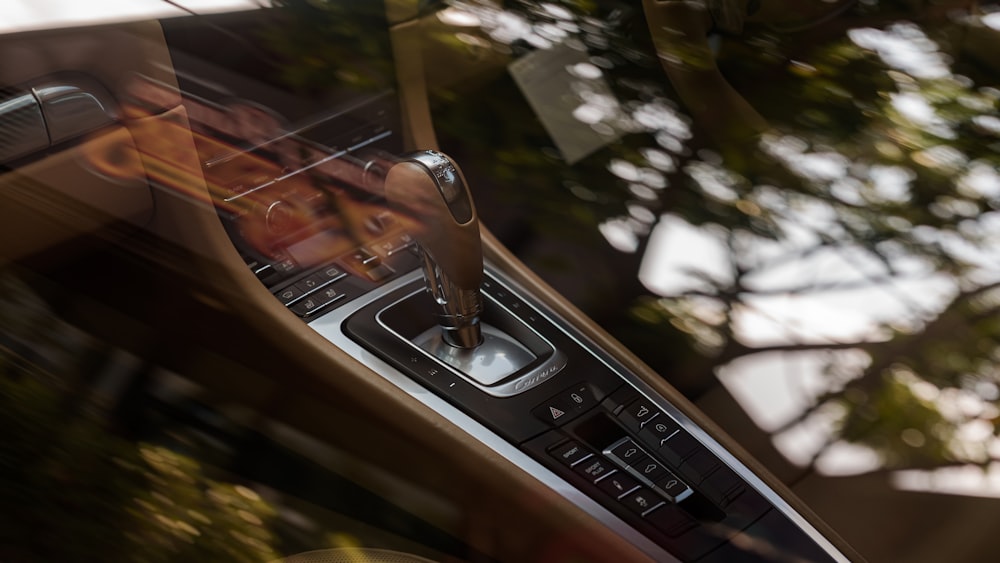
[539, 374]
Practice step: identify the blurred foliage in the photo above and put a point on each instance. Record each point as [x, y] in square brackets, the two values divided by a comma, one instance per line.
[106, 459]
[907, 429]
[883, 149]
[73, 489]
[495, 131]
[83, 494]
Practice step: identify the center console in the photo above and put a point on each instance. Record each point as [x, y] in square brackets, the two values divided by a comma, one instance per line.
[526, 382]
[381, 255]
[579, 421]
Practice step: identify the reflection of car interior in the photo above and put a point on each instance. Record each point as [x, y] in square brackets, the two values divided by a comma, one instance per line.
[248, 300]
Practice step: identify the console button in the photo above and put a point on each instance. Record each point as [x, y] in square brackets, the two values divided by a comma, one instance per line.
[289, 294]
[618, 484]
[626, 451]
[363, 259]
[511, 301]
[699, 465]
[642, 501]
[317, 300]
[570, 453]
[328, 294]
[284, 265]
[311, 283]
[745, 508]
[678, 448]
[566, 406]
[553, 412]
[331, 273]
[617, 400]
[723, 486]
[649, 469]
[264, 273]
[379, 272]
[671, 520]
[368, 263]
[593, 468]
[579, 397]
[658, 431]
[637, 414]
[671, 486]
[394, 245]
[307, 306]
[379, 223]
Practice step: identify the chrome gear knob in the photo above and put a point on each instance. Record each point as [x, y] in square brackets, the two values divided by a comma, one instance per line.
[429, 191]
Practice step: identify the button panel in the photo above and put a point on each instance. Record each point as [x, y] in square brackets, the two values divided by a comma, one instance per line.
[317, 301]
[648, 471]
[671, 520]
[289, 294]
[723, 486]
[644, 464]
[331, 273]
[678, 448]
[362, 259]
[331, 285]
[642, 501]
[566, 406]
[639, 413]
[646, 467]
[658, 431]
[618, 484]
[395, 245]
[571, 453]
[594, 468]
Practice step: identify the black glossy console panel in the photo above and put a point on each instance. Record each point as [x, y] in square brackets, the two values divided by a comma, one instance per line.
[590, 425]
[409, 311]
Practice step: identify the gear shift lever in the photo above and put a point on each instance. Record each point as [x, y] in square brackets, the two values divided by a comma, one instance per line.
[430, 189]
[430, 192]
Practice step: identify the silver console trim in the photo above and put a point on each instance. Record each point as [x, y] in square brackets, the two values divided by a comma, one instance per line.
[498, 357]
[330, 326]
[551, 366]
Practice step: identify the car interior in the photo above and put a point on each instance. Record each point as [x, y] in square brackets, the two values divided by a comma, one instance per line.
[262, 303]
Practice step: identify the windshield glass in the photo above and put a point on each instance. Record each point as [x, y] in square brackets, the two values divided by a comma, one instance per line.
[797, 200]
[788, 209]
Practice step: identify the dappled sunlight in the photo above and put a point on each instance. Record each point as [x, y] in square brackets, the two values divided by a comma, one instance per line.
[820, 284]
[833, 267]
[967, 480]
[620, 232]
[165, 474]
[776, 387]
[682, 257]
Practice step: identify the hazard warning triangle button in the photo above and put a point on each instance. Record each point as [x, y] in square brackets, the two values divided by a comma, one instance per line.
[555, 412]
